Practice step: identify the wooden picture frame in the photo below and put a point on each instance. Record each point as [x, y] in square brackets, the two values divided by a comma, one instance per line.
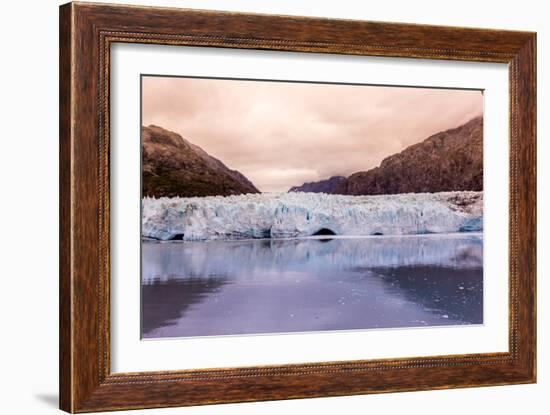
[86, 33]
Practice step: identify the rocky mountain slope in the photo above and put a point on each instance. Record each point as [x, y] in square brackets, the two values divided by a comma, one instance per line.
[322, 186]
[450, 160]
[172, 166]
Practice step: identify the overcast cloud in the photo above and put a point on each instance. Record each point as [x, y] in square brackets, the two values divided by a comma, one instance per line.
[281, 135]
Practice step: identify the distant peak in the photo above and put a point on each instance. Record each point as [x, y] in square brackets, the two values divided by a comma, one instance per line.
[321, 186]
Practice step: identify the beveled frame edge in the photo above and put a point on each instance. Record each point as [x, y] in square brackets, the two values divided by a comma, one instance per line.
[86, 33]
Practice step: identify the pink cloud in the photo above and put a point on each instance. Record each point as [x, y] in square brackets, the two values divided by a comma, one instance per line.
[281, 134]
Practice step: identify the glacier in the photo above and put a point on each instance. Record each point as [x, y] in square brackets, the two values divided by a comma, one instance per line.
[291, 215]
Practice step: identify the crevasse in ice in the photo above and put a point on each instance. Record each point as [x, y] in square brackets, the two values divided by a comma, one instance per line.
[285, 215]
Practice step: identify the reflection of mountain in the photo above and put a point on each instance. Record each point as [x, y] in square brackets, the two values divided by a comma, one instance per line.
[158, 299]
[266, 286]
[450, 160]
[435, 289]
[172, 166]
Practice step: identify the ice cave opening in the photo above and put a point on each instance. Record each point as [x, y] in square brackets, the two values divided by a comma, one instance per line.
[177, 237]
[324, 231]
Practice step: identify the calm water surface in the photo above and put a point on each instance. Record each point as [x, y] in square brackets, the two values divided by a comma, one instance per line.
[298, 285]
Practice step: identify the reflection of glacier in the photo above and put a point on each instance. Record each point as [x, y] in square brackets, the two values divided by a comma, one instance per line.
[305, 214]
[204, 259]
[199, 288]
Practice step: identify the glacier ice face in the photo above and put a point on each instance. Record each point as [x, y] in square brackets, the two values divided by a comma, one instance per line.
[286, 215]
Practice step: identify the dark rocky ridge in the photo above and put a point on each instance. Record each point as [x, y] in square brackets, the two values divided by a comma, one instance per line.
[322, 186]
[450, 160]
[172, 166]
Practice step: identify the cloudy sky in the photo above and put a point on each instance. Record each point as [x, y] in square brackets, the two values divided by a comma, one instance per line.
[281, 134]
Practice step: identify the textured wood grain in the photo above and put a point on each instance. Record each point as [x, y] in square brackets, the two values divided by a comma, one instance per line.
[65, 245]
[86, 33]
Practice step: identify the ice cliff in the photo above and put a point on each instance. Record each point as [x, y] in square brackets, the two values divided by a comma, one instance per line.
[284, 215]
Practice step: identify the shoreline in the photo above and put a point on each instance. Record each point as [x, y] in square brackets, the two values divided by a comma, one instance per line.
[322, 238]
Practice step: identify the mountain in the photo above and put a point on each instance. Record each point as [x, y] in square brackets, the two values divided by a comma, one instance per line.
[172, 166]
[450, 160]
[323, 186]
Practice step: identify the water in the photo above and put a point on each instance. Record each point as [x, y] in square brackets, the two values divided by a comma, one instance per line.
[302, 285]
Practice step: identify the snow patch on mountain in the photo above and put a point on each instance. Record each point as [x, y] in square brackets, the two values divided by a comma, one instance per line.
[289, 215]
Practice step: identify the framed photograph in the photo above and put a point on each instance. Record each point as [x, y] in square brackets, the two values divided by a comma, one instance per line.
[259, 207]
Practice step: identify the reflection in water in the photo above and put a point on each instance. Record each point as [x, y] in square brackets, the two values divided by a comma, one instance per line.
[456, 292]
[295, 285]
[164, 302]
